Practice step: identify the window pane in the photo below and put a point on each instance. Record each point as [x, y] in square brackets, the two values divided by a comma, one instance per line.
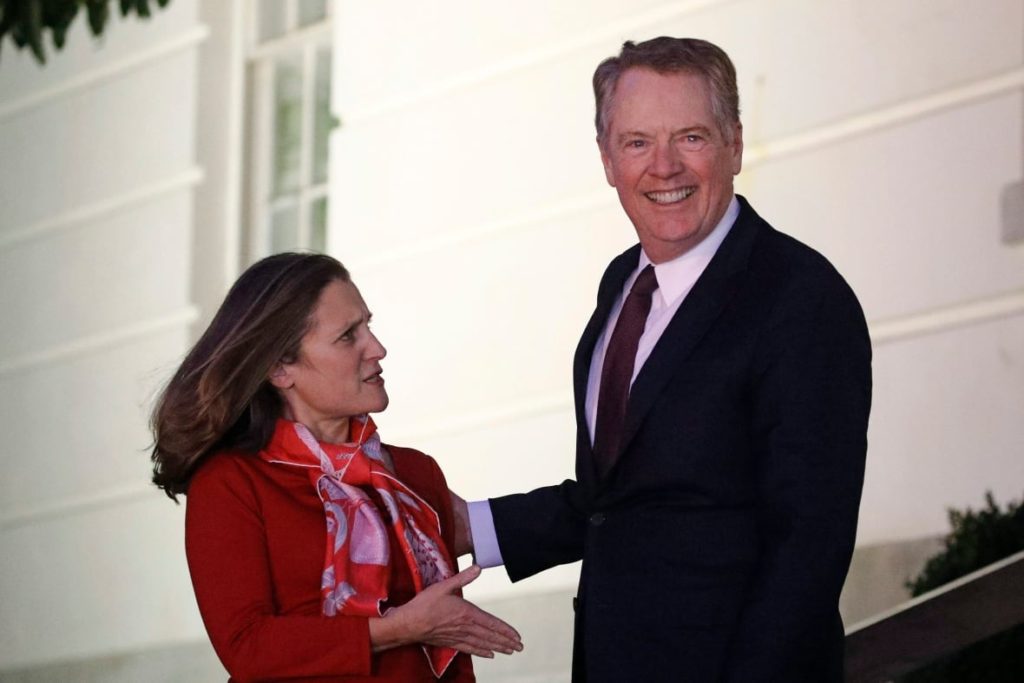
[318, 224]
[322, 115]
[311, 11]
[287, 124]
[271, 19]
[284, 229]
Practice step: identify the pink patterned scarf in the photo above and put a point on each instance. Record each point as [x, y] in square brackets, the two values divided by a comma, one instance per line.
[357, 564]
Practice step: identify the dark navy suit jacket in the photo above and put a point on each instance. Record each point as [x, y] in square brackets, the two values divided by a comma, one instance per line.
[716, 548]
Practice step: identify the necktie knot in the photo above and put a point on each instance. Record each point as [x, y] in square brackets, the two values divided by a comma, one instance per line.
[646, 283]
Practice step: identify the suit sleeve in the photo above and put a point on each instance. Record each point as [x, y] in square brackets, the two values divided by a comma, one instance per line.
[811, 396]
[227, 557]
[540, 529]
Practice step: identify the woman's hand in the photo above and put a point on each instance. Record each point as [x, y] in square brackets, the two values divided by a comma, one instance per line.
[439, 617]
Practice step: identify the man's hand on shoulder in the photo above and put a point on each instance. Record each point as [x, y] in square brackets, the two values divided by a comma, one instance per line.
[463, 535]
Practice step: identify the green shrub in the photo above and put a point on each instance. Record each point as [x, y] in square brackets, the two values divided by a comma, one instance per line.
[27, 21]
[977, 539]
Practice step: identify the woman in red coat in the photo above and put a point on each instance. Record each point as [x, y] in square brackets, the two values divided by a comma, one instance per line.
[316, 551]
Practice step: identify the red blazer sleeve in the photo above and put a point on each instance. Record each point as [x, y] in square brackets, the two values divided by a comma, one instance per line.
[228, 560]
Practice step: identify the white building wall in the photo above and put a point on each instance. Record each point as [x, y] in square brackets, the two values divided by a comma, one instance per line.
[97, 175]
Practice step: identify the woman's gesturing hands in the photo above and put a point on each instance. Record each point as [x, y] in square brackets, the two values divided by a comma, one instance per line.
[438, 616]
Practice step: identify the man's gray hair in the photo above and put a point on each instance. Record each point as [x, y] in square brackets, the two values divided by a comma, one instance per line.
[667, 55]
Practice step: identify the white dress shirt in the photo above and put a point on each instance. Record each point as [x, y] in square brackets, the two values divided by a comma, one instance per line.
[675, 280]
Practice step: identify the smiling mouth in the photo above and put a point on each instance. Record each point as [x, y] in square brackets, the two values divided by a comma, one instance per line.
[375, 378]
[670, 196]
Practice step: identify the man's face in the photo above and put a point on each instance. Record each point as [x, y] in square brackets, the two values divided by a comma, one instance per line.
[667, 159]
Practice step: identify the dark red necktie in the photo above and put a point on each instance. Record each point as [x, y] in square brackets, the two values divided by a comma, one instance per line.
[618, 370]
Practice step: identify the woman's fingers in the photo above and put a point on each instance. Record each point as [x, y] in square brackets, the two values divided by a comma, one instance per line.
[440, 617]
[500, 632]
[460, 580]
[476, 640]
[468, 625]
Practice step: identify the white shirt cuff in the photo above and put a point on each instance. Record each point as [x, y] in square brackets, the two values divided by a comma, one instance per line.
[486, 552]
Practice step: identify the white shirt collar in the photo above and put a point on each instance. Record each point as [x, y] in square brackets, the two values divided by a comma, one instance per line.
[676, 277]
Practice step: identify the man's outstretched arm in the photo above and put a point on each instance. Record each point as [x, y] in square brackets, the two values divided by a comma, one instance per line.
[527, 532]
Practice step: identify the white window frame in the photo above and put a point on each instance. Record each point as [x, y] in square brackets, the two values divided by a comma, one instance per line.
[261, 59]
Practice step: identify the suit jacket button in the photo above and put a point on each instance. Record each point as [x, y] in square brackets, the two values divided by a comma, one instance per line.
[597, 519]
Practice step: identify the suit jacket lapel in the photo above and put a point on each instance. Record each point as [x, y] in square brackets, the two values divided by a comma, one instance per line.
[695, 316]
[611, 286]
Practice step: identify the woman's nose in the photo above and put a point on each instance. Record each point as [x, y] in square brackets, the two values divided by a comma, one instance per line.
[376, 350]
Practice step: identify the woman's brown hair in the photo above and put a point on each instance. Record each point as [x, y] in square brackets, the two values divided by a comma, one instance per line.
[220, 398]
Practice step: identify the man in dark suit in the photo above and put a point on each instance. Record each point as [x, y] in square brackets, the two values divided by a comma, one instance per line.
[722, 389]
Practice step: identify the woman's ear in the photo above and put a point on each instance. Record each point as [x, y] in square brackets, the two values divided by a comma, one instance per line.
[281, 376]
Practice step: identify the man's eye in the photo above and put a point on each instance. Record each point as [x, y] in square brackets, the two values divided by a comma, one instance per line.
[636, 144]
[693, 142]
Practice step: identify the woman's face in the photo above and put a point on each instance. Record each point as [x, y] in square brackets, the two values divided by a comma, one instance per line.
[337, 373]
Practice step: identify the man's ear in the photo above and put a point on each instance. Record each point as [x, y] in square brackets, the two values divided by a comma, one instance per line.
[737, 148]
[281, 377]
[607, 163]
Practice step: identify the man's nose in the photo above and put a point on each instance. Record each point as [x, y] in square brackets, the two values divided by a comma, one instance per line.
[668, 160]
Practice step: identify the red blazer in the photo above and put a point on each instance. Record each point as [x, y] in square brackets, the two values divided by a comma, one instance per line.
[254, 536]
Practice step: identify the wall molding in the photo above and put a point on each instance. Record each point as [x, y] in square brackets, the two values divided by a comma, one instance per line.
[129, 493]
[882, 332]
[75, 505]
[977, 89]
[754, 155]
[571, 206]
[90, 212]
[90, 344]
[946, 318]
[610, 32]
[468, 421]
[107, 72]
[885, 117]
